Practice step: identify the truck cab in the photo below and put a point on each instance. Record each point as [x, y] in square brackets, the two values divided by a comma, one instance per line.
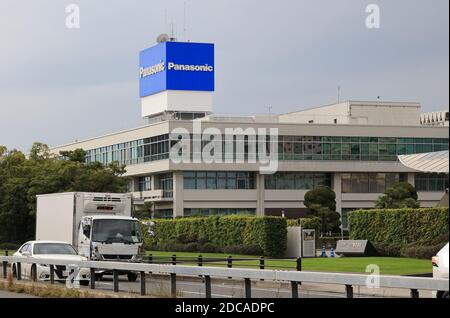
[109, 238]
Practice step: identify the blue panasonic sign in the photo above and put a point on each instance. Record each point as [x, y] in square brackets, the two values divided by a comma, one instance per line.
[176, 66]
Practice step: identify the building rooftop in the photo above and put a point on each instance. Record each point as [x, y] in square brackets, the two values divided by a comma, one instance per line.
[432, 162]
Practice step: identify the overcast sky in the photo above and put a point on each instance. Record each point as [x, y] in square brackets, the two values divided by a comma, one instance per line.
[58, 84]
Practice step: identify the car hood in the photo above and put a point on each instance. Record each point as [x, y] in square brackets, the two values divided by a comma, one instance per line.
[60, 257]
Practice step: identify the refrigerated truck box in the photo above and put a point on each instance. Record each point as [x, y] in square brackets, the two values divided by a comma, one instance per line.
[58, 215]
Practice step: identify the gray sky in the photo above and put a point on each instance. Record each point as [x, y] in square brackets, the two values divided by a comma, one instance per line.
[59, 84]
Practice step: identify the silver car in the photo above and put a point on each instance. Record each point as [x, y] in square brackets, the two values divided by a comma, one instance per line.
[35, 250]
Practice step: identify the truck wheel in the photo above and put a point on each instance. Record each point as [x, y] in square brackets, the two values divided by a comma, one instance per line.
[132, 277]
[84, 282]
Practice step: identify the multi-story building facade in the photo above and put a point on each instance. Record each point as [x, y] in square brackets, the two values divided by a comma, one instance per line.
[359, 161]
[351, 147]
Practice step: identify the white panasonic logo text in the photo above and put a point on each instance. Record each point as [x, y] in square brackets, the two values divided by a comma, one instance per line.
[160, 67]
[147, 71]
[187, 67]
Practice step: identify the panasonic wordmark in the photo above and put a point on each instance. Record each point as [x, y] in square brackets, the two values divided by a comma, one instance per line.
[160, 67]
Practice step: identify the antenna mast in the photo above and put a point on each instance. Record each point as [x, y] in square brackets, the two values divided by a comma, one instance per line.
[184, 21]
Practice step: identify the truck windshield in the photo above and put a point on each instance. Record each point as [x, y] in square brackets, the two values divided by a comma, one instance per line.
[116, 231]
[51, 248]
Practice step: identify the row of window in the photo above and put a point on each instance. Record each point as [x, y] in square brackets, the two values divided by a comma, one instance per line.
[219, 180]
[296, 180]
[165, 182]
[431, 181]
[163, 214]
[363, 182]
[220, 211]
[357, 182]
[289, 148]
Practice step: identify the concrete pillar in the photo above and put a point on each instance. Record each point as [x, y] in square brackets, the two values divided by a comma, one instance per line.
[178, 196]
[411, 179]
[337, 187]
[260, 188]
[153, 183]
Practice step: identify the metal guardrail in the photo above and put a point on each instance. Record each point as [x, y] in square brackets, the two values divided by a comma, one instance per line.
[230, 261]
[294, 277]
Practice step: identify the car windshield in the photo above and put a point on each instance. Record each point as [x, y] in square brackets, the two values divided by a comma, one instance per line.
[116, 231]
[54, 248]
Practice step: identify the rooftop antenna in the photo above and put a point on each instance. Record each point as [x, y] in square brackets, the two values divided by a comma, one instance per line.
[184, 21]
[270, 109]
[339, 93]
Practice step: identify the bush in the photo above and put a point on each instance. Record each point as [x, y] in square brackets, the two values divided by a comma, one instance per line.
[421, 249]
[244, 250]
[9, 246]
[402, 226]
[267, 234]
[388, 249]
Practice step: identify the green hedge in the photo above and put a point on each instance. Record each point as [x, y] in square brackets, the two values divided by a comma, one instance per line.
[269, 234]
[399, 226]
[314, 223]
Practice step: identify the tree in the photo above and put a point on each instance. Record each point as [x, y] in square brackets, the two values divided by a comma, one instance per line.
[145, 211]
[321, 202]
[400, 195]
[39, 151]
[78, 155]
[21, 179]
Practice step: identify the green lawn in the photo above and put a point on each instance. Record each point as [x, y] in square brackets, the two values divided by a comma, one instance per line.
[2, 253]
[387, 265]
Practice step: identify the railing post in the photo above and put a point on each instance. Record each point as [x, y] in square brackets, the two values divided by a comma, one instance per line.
[248, 288]
[230, 263]
[150, 260]
[261, 264]
[207, 286]
[299, 264]
[52, 274]
[294, 288]
[349, 291]
[5, 266]
[19, 271]
[173, 285]
[116, 280]
[414, 293]
[174, 259]
[34, 272]
[92, 279]
[143, 284]
[200, 260]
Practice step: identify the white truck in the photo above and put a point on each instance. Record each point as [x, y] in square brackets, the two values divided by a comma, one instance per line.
[98, 225]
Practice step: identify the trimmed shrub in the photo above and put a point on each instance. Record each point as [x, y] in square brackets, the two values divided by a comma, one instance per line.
[244, 249]
[215, 233]
[310, 223]
[400, 226]
[9, 246]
